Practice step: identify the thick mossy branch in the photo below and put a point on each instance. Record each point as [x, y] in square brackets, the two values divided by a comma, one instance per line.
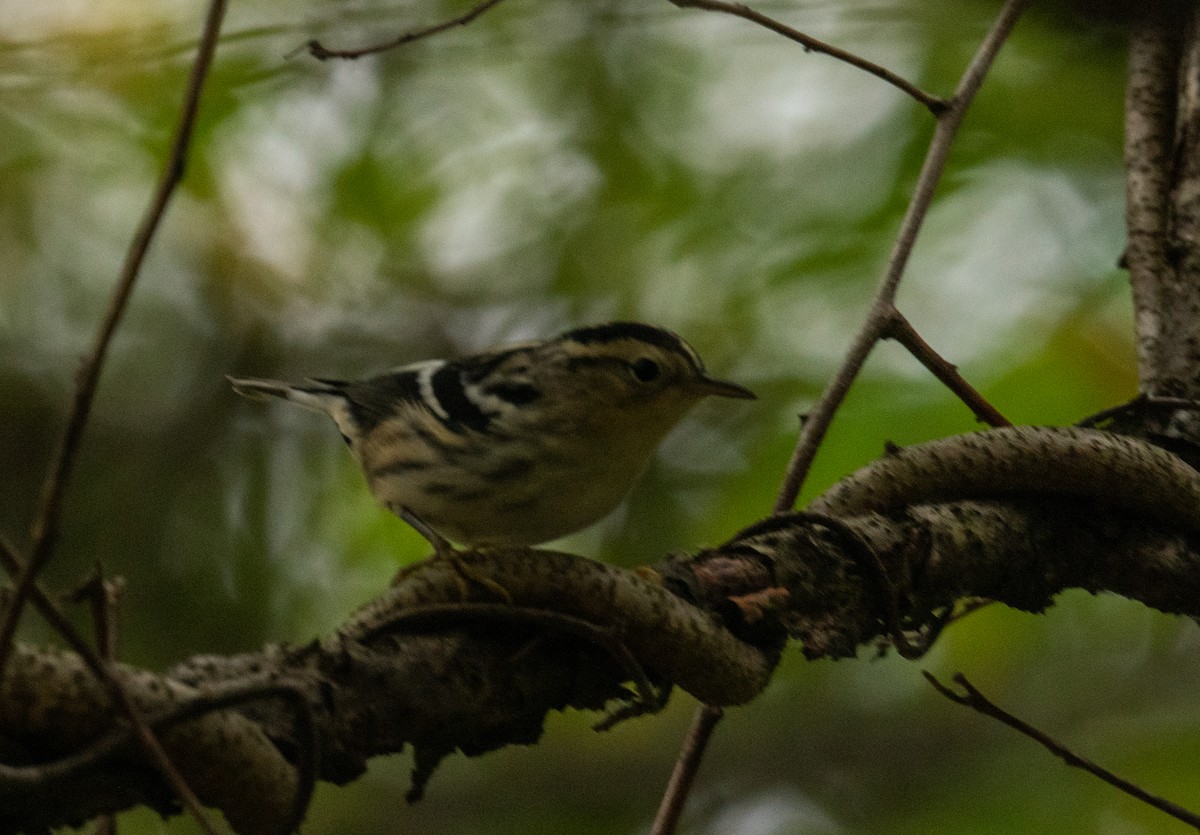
[1015, 515]
[680, 644]
[435, 664]
[52, 709]
[1020, 553]
[1122, 472]
[417, 667]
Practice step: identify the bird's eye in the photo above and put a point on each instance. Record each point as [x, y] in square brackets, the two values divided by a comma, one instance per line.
[645, 370]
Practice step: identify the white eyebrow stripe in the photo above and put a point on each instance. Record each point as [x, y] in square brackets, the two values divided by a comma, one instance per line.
[487, 403]
[425, 371]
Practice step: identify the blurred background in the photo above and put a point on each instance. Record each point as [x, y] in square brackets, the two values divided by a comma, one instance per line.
[555, 164]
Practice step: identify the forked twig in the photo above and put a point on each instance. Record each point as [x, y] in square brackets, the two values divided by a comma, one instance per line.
[103, 597]
[879, 318]
[322, 53]
[935, 104]
[52, 613]
[972, 698]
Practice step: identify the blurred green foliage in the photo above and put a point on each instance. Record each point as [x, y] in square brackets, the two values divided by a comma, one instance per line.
[550, 165]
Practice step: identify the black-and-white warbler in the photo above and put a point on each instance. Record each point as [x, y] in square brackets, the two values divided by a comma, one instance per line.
[519, 445]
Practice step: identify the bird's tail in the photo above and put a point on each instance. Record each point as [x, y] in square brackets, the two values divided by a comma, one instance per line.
[321, 397]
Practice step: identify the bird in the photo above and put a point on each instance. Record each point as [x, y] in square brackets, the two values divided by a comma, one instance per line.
[519, 445]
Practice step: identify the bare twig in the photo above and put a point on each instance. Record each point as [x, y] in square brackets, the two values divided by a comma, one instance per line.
[703, 725]
[972, 698]
[935, 104]
[104, 597]
[901, 330]
[322, 53]
[879, 318]
[44, 533]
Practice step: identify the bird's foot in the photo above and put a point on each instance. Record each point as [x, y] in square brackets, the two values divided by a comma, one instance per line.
[443, 549]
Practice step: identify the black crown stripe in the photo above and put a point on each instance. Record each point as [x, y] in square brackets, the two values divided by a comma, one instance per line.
[615, 331]
[448, 389]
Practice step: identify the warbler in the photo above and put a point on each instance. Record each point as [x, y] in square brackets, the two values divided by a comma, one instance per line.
[519, 445]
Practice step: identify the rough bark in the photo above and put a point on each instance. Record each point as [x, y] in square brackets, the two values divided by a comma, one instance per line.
[430, 667]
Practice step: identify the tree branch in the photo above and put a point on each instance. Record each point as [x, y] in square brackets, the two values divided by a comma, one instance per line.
[1126, 473]
[972, 698]
[50, 700]
[901, 330]
[410, 670]
[683, 776]
[322, 53]
[878, 319]
[1150, 102]
[935, 104]
[44, 534]
[406, 670]
[1185, 188]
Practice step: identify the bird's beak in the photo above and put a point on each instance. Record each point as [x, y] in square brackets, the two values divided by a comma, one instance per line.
[710, 386]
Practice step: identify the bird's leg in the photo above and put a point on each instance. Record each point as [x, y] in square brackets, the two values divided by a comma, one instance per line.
[443, 549]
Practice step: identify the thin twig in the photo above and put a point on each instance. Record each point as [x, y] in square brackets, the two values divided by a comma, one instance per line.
[975, 700]
[874, 328]
[680, 784]
[901, 330]
[44, 533]
[52, 613]
[322, 53]
[104, 597]
[935, 104]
